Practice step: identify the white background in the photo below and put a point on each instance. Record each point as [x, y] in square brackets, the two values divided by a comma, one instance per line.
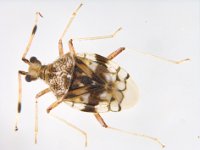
[169, 105]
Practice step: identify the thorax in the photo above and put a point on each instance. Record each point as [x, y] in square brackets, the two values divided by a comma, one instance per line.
[58, 74]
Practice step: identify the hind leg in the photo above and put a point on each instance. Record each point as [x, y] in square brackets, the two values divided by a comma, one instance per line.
[102, 122]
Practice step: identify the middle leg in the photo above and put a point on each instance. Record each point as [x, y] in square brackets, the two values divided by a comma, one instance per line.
[72, 126]
[115, 53]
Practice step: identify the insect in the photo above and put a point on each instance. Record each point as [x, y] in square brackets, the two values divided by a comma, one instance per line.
[88, 82]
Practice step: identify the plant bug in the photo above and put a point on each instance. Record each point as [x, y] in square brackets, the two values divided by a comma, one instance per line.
[89, 82]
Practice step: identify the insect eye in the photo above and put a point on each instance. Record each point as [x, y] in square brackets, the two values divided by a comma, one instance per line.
[28, 78]
[33, 59]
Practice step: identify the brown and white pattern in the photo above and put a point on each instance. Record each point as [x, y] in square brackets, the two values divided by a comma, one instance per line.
[100, 85]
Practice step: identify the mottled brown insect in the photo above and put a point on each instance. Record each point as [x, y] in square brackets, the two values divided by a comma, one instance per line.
[88, 82]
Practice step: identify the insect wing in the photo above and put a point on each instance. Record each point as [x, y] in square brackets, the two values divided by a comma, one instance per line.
[107, 86]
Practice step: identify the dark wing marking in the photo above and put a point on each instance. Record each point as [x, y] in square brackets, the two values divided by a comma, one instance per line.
[81, 65]
[100, 85]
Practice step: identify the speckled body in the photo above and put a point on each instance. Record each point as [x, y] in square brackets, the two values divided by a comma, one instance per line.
[58, 74]
[90, 83]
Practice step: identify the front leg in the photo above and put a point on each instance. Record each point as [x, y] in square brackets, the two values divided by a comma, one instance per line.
[60, 45]
[71, 47]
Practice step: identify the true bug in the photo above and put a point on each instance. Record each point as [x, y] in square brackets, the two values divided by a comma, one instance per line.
[89, 82]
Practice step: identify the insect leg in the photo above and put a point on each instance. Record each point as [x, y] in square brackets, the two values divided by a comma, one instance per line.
[70, 95]
[60, 45]
[100, 37]
[32, 34]
[60, 100]
[102, 122]
[41, 93]
[115, 53]
[55, 104]
[161, 58]
[72, 126]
